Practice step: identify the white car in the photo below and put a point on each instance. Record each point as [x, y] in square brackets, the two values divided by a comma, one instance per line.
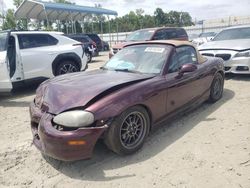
[26, 55]
[203, 38]
[233, 46]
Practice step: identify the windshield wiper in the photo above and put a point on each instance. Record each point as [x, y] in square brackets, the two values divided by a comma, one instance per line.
[127, 70]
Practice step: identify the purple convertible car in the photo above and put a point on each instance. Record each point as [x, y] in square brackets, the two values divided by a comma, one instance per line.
[141, 86]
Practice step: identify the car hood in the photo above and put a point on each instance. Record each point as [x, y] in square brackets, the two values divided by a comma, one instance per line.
[237, 45]
[82, 89]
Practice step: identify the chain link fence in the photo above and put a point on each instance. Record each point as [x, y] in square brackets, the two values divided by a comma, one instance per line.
[215, 25]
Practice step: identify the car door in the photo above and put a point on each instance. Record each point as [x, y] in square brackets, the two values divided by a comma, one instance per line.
[5, 82]
[182, 89]
[37, 52]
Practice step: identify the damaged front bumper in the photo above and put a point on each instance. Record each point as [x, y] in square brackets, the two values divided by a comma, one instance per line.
[63, 145]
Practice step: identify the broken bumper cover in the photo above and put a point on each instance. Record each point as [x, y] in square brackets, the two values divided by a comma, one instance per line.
[62, 145]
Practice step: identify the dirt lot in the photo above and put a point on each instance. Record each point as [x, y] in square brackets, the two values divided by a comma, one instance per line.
[209, 147]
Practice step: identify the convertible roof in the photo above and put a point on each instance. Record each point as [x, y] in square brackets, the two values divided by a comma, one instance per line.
[41, 10]
[176, 43]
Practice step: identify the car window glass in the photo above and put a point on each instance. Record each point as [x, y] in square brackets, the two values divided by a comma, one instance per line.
[170, 34]
[181, 33]
[148, 59]
[233, 34]
[84, 39]
[36, 40]
[183, 55]
[3, 41]
[159, 35]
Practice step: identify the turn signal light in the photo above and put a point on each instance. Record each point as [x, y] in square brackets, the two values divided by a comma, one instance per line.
[76, 142]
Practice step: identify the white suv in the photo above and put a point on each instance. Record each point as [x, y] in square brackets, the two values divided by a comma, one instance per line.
[25, 55]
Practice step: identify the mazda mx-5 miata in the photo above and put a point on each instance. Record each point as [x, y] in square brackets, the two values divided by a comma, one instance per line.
[143, 85]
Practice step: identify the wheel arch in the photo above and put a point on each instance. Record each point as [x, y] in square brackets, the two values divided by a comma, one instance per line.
[149, 113]
[222, 73]
[71, 56]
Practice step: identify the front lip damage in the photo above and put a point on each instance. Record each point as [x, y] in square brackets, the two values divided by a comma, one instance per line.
[57, 100]
[54, 143]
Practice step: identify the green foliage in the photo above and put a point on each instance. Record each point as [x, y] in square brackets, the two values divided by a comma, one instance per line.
[62, 1]
[134, 20]
[17, 3]
[9, 20]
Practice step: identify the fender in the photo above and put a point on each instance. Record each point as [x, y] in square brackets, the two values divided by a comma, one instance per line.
[66, 56]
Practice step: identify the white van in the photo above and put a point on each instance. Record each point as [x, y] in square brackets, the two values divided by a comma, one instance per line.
[26, 55]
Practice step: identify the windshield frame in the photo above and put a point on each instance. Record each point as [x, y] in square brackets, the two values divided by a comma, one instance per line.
[163, 68]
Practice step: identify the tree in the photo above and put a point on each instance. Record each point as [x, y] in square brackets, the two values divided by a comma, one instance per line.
[139, 13]
[9, 21]
[17, 3]
[159, 17]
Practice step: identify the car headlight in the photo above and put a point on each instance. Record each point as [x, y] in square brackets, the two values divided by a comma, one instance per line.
[75, 118]
[243, 54]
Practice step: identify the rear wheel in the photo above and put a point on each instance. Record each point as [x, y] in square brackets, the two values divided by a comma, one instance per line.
[89, 57]
[128, 131]
[216, 89]
[67, 67]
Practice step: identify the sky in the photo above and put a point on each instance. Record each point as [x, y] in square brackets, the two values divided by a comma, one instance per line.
[198, 9]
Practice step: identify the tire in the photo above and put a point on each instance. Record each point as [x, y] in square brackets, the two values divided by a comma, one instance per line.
[216, 89]
[89, 57]
[67, 66]
[126, 128]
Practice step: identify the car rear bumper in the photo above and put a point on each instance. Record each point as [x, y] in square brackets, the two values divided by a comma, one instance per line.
[237, 66]
[62, 145]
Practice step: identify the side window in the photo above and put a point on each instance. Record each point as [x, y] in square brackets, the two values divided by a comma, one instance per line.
[159, 35]
[170, 34]
[181, 33]
[183, 55]
[36, 40]
[84, 39]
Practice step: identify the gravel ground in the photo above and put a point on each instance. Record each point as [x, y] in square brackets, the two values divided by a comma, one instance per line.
[208, 147]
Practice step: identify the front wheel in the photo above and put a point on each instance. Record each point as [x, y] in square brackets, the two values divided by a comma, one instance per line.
[128, 131]
[67, 67]
[216, 89]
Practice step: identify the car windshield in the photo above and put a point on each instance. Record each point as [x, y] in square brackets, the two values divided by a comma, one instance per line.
[3, 41]
[209, 34]
[232, 34]
[147, 59]
[141, 35]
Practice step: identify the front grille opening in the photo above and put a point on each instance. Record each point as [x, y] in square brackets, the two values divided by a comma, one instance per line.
[115, 50]
[242, 68]
[36, 136]
[63, 128]
[208, 54]
[34, 125]
[225, 57]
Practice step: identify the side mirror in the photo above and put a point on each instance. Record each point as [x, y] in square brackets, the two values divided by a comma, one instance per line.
[189, 67]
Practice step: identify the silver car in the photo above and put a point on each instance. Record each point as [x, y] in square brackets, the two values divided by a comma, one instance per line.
[233, 46]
